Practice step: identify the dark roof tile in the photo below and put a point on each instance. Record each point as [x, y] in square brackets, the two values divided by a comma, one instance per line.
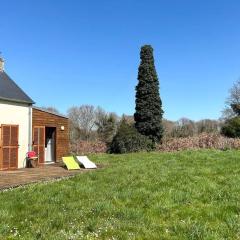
[9, 90]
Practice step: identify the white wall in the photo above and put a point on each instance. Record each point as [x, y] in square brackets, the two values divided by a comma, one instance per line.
[17, 114]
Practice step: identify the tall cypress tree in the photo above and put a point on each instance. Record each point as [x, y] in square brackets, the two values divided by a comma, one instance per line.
[148, 114]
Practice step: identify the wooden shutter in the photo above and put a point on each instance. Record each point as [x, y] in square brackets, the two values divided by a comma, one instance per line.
[9, 153]
[39, 143]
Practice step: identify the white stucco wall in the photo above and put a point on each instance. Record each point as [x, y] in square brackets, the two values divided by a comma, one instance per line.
[18, 114]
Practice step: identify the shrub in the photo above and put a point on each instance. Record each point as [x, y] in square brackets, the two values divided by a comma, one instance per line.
[203, 141]
[231, 128]
[84, 147]
[128, 139]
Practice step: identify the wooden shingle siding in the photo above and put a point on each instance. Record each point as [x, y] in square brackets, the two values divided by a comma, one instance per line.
[44, 119]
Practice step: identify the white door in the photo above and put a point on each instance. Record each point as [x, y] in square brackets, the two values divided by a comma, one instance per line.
[50, 150]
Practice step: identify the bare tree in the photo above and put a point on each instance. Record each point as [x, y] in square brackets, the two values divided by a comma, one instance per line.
[234, 97]
[184, 127]
[232, 108]
[106, 125]
[83, 118]
[208, 126]
[227, 113]
[168, 127]
[100, 117]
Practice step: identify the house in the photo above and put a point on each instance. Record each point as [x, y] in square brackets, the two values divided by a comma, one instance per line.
[24, 127]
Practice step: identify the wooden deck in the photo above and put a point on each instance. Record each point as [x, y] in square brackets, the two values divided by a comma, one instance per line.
[20, 177]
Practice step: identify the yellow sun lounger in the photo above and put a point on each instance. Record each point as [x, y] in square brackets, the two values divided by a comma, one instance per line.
[70, 163]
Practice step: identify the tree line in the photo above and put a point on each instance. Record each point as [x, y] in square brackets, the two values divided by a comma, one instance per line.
[146, 127]
[90, 123]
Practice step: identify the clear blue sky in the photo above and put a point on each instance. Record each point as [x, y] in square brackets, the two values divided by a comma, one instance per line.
[71, 52]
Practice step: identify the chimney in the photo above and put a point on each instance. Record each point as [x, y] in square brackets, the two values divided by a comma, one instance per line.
[1, 64]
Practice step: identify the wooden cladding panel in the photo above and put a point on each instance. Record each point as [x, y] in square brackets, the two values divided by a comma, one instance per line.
[41, 118]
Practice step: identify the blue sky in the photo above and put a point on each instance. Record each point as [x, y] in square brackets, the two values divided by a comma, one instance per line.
[71, 52]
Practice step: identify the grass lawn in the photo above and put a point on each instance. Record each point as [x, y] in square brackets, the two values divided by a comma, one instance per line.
[186, 195]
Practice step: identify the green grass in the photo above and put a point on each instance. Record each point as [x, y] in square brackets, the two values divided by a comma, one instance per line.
[186, 195]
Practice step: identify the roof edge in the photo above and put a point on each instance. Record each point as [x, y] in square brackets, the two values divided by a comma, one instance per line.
[16, 101]
[43, 110]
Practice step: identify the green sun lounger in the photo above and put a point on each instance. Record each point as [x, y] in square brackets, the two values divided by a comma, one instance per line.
[70, 163]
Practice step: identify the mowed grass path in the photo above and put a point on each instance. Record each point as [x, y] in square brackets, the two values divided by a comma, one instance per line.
[186, 195]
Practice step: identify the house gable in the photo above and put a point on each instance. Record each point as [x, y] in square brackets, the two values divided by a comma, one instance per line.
[10, 91]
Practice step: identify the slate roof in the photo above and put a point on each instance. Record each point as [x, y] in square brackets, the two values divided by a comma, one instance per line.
[10, 91]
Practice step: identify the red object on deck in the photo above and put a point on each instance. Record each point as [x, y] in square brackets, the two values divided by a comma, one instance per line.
[31, 154]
